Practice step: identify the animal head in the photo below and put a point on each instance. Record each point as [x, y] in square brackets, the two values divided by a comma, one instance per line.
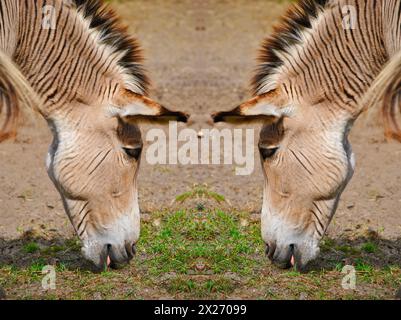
[307, 162]
[93, 161]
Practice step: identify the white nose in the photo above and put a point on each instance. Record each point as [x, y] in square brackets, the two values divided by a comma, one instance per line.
[287, 245]
[115, 242]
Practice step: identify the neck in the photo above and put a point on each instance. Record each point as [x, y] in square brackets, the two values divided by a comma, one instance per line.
[330, 57]
[65, 57]
[336, 66]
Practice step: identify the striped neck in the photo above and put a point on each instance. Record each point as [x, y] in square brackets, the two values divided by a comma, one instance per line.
[80, 54]
[315, 59]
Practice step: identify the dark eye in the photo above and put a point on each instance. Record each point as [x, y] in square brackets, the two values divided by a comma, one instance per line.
[267, 152]
[134, 153]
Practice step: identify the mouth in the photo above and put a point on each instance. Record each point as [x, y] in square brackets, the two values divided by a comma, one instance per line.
[113, 258]
[292, 256]
[108, 261]
[283, 260]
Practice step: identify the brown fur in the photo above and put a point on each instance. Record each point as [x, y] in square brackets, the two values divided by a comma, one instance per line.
[104, 19]
[239, 114]
[12, 109]
[15, 94]
[286, 33]
[386, 93]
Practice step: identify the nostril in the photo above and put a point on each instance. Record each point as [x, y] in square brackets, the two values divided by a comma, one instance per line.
[270, 250]
[130, 249]
[104, 259]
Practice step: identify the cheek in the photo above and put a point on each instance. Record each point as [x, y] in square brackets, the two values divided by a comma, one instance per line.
[87, 176]
[280, 178]
[332, 178]
[124, 179]
[307, 178]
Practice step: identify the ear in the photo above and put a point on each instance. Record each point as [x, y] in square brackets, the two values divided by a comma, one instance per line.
[261, 108]
[135, 107]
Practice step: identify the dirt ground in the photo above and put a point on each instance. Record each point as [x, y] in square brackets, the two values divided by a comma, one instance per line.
[200, 56]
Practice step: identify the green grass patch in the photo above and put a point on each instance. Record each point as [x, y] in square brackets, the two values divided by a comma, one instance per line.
[200, 254]
[200, 192]
[198, 243]
[369, 247]
[31, 247]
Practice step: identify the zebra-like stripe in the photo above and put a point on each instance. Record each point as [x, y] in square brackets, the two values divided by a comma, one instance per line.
[82, 60]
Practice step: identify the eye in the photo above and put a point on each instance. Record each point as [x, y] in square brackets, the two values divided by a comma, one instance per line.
[268, 152]
[133, 152]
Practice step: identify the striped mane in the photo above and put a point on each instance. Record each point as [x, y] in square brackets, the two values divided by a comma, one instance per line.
[114, 35]
[287, 34]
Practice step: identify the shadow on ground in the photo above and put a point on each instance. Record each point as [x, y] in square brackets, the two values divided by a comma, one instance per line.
[361, 252]
[30, 250]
